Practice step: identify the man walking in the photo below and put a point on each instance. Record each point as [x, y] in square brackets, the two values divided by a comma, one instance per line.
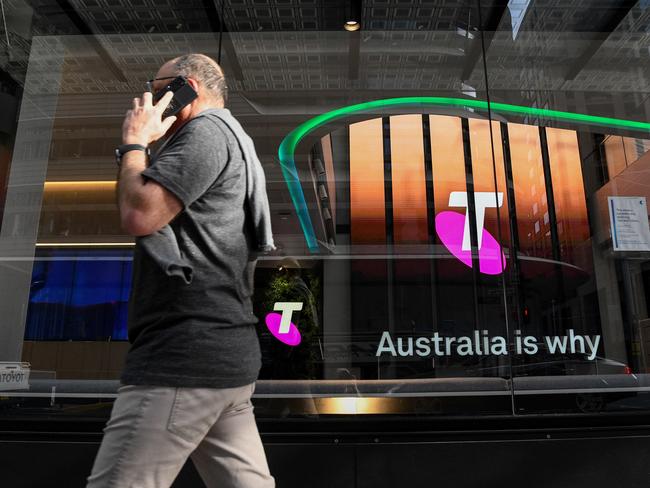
[199, 211]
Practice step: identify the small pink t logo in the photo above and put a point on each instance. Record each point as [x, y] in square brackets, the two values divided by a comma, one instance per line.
[280, 325]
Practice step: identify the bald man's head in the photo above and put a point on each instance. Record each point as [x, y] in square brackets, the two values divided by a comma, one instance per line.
[206, 71]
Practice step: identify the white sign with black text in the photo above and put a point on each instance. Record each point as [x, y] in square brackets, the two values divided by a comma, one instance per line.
[628, 220]
[14, 376]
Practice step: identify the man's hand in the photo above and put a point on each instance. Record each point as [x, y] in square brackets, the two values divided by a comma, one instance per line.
[145, 206]
[143, 124]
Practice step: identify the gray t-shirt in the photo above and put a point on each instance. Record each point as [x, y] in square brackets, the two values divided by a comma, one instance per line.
[200, 334]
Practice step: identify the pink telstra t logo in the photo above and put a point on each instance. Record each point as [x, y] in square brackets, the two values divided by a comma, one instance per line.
[280, 325]
[453, 230]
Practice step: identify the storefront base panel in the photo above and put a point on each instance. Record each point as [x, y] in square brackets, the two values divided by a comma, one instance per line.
[582, 456]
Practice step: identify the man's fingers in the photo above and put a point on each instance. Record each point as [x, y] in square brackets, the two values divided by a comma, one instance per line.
[164, 101]
[146, 99]
[136, 103]
[167, 123]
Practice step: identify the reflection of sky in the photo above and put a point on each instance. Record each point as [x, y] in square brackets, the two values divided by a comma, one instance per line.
[518, 10]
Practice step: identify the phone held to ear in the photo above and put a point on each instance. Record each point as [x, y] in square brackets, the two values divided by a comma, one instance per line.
[184, 94]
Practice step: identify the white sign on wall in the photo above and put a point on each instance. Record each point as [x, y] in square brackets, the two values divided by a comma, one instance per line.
[14, 376]
[628, 220]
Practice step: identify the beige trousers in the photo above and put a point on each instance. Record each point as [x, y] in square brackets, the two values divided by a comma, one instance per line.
[153, 430]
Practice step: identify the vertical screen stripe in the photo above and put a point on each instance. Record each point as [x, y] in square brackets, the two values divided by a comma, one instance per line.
[529, 183]
[447, 158]
[483, 171]
[328, 160]
[428, 173]
[367, 206]
[568, 193]
[409, 185]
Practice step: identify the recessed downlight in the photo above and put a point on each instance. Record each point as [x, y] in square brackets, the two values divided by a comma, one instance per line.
[352, 25]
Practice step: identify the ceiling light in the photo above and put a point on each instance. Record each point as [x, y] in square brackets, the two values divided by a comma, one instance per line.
[352, 25]
[353, 13]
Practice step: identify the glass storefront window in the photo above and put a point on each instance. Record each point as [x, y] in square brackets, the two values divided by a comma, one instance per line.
[578, 286]
[458, 194]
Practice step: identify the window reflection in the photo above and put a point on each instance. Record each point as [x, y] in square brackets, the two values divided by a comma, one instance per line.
[374, 184]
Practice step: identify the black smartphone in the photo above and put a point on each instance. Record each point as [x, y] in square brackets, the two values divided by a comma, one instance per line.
[183, 95]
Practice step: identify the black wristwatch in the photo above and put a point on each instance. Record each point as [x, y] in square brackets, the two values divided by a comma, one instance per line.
[125, 148]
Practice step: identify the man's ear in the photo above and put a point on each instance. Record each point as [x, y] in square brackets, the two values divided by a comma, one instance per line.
[194, 84]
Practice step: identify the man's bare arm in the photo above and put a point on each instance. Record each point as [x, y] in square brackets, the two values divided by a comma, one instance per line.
[145, 206]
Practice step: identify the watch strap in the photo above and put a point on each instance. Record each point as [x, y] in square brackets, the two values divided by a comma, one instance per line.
[125, 148]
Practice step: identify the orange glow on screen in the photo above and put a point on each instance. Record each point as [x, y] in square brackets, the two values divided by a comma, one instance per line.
[568, 191]
[530, 190]
[408, 180]
[447, 159]
[483, 172]
[615, 155]
[367, 204]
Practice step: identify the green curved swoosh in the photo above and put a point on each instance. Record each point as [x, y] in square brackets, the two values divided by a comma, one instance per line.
[290, 142]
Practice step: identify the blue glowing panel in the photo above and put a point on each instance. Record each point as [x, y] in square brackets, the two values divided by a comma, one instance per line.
[79, 295]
